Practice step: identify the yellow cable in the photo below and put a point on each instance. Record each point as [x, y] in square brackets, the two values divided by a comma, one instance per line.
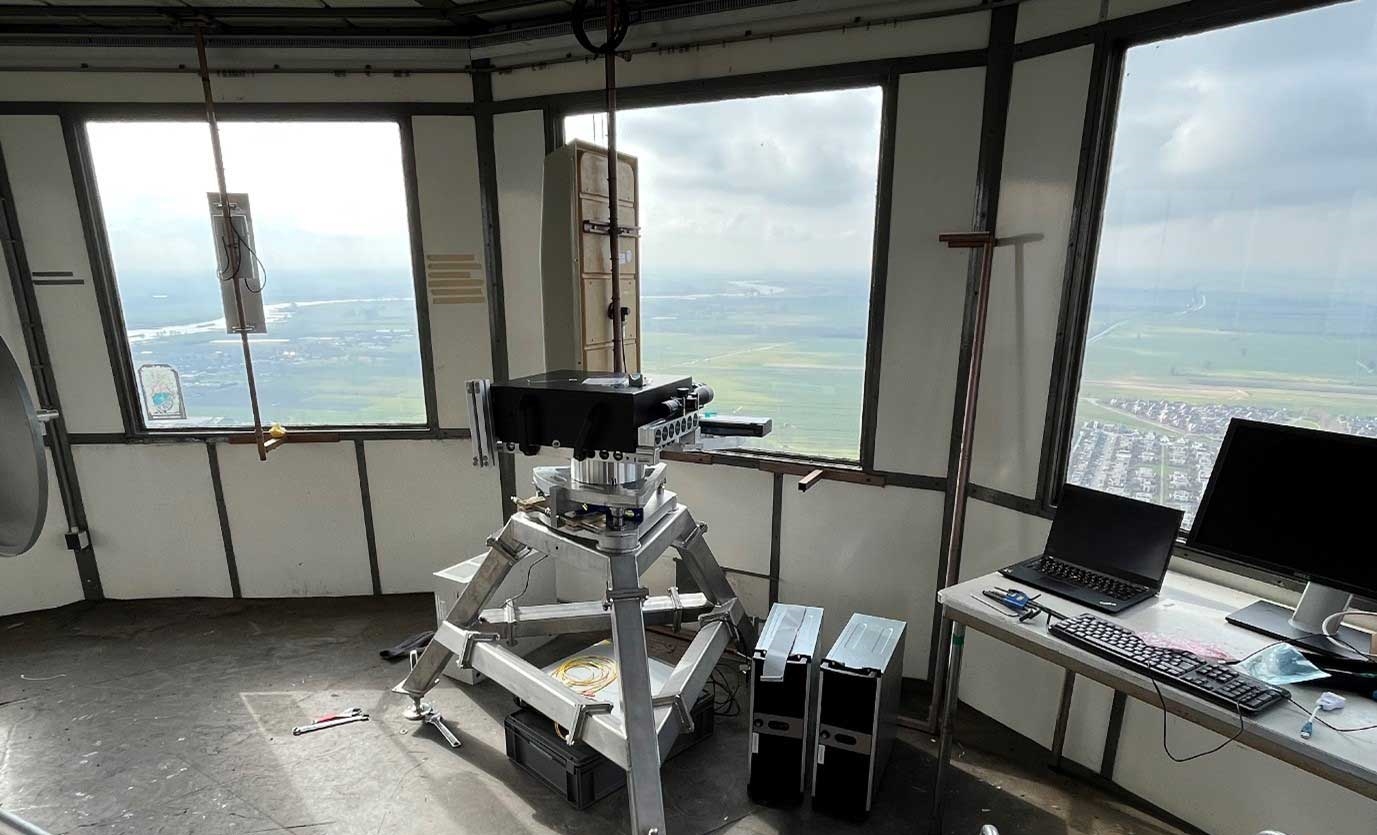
[587, 674]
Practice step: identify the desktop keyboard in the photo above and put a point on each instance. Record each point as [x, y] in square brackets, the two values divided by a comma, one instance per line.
[1178, 668]
[1106, 585]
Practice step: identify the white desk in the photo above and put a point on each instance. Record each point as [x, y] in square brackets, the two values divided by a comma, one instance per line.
[1186, 608]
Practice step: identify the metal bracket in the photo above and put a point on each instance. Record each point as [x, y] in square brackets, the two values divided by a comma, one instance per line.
[471, 641]
[675, 702]
[639, 593]
[687, 540]
[512, 556]
[581, 714]
[678, 608]
[724, 614]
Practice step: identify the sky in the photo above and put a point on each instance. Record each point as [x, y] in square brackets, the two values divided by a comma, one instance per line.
[324, 195]
[766, 186]
[1248, 156]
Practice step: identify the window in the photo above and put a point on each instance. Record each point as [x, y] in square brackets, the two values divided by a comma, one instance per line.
[757, 223]
[330, 232]
[1237, 265]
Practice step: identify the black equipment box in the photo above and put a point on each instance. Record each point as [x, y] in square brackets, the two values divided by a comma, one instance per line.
[578, 409]
[577, 771]
[858, 714]
[784, 670]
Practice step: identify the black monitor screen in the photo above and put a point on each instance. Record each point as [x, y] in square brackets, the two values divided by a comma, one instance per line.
[1113, 534]
[1299, 502]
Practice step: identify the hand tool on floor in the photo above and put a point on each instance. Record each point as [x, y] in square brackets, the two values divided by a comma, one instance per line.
[330, 721]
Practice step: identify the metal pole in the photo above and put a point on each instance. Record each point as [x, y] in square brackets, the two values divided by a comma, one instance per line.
[610, 67]
[946, 724]
[11, 825]
[965, 445]
[233, 255]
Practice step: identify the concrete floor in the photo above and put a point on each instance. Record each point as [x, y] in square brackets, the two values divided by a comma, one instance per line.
[175, 716]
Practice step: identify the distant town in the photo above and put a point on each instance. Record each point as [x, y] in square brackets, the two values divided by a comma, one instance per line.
[1170, 465]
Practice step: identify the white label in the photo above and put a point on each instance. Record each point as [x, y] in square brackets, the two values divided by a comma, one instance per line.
[821, 748]
[755, 742]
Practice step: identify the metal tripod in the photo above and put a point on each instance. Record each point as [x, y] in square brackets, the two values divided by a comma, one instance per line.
[614, 517]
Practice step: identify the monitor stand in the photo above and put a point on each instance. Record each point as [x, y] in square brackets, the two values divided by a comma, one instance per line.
[1301, 626]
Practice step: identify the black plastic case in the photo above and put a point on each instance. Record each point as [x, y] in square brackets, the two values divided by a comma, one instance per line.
[578, 772]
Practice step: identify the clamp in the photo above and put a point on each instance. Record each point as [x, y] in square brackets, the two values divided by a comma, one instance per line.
[581, 714]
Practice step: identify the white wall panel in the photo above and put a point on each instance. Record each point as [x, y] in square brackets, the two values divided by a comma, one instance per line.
[431, 509]
[520, 144]
[1048, 17]
[737, 506]
[452, 224]
[12, 330]
[297, 520]
[1236, 791]
[1008, 684]
[854, 548]
[1121, 8]
[154, 526]
[1041, 156]
[36, 158]
[271, 87]
[45, 576]
[936, 153]
[945, 34]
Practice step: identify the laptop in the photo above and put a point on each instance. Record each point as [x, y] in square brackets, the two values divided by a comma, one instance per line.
[1105, 551]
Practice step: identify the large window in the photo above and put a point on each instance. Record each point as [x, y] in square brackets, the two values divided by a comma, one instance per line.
[757, 224]
[1237, 266]
[332, 248]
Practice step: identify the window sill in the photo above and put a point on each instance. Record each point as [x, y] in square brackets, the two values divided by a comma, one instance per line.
[242, 436]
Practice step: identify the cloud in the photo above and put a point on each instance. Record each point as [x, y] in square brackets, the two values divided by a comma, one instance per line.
[750, 186]
[1248, 148]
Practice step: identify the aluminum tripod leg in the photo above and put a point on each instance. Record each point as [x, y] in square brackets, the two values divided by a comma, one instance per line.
[643, 743]
[503, 553]
[705, 571]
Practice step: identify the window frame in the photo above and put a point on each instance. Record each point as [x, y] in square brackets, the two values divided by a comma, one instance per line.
[1092, 187]
[735, 88]
[136, 427]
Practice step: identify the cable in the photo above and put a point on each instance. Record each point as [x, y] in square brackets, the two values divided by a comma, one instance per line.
[1317, 718]
[1336, 620]
[526, 585]
[586, 674]
[1214, 750]
[232, 273]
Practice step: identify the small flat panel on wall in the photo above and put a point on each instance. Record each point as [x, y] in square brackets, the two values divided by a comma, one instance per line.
[431, 509]
[153, 521]
[46, 575]
[297, 520]
[50, 222]
[936, 155]
[519, 141]
[456, 269]
[1037, 193]
[1123, 8]
[854, 548]
[576, 258]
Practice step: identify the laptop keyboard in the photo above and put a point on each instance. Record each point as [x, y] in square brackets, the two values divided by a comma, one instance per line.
[1106, 585]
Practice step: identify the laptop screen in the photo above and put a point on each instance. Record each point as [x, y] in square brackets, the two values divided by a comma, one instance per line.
[1113, 534]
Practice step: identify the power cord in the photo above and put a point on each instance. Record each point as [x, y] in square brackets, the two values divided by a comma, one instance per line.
[1167, 748]
[526, 585]
[1317, 718]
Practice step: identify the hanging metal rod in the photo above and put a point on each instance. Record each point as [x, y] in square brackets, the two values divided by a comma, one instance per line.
[233, 253]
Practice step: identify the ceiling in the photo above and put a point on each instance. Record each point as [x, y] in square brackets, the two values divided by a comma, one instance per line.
[476, 21]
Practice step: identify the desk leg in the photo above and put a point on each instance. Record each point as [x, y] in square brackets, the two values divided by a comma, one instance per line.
[945, 722]
[1068, 687]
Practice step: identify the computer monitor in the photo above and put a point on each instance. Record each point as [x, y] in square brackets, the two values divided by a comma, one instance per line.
[1296, 502]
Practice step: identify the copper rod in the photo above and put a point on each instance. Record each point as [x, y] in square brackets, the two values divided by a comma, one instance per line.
[233, 255]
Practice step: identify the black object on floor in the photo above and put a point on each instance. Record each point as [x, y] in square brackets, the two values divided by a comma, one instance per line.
[403, 650]
[578, 771]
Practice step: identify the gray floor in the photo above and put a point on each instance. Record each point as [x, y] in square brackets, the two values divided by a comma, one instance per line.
[176, 717]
